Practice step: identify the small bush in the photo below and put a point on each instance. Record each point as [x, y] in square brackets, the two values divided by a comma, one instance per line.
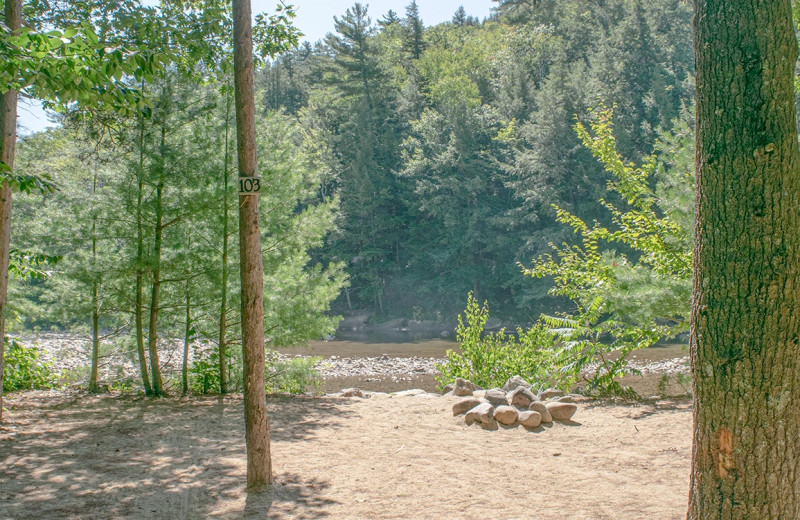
[124, 385]
[75, 376]
[293, 376]
[490, 359]
[24, 369]
[204, 370]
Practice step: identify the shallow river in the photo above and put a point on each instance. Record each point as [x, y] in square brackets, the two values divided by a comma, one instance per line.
[410, 360]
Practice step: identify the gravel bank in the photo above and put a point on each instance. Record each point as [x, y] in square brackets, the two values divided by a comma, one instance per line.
[70, 352]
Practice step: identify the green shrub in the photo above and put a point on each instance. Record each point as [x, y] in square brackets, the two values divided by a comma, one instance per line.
[490, 359]
[293, 376]
[75, 376]
[625, 302]
[124, 385]
[204, 370]
[24, 368]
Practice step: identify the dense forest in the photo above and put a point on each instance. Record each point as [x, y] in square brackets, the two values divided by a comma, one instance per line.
[407, 165]
[449, 145]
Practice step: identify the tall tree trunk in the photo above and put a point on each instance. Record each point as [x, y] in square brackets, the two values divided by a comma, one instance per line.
[223, 307]
[95, 339]
[155, 291]
[139, 310]
[95, 301]
[746, 300]
[259, 463]
[8, 142]
[95, 304]
[187, 337]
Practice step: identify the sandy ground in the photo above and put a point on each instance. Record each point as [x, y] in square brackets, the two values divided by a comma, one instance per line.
[386, 457]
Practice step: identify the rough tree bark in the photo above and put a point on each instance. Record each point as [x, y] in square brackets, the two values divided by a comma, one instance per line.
[746, 299]
[259, 464]
[8, 142]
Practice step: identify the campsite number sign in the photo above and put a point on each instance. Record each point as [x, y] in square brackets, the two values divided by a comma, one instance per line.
[249, 186]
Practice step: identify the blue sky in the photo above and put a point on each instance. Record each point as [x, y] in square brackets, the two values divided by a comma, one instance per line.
[314, 19]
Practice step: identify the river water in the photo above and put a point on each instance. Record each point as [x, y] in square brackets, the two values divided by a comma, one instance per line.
[391, 362]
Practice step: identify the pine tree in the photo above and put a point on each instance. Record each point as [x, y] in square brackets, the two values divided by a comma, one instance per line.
[413, 41]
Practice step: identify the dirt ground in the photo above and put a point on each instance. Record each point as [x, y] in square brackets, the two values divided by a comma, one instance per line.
[386, 457]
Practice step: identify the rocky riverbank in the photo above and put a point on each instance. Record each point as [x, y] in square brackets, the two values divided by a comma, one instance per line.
[70, 353]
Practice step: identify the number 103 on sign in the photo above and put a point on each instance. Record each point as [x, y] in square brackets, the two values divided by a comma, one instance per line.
[249, 186]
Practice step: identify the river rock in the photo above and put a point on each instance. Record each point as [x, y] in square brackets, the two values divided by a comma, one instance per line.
[496, 396]
[505, 415]
[515, 381]
[561, 411]
[550, 393]
[463, 387]
[538, 406]
[448, 389]
[483, 414]
[530, 419]
[351, 392]
[465, 404]
[520, 397]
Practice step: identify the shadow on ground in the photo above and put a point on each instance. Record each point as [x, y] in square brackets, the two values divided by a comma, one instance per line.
[127, 457]
[643, 408]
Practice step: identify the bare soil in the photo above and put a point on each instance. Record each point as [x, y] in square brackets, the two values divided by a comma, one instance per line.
[386, 457]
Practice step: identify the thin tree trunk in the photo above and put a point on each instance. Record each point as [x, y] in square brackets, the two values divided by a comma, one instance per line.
[95, 339]
[95, 304]
[259, 463]
[152, 333]
[139, 311]
[187, 338]
[8, 142]
[746, 300]
[223, 307]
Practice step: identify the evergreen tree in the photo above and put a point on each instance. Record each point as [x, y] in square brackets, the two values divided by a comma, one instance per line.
[460, 18]
[364, 142]
[389, 19]
[413, 41]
